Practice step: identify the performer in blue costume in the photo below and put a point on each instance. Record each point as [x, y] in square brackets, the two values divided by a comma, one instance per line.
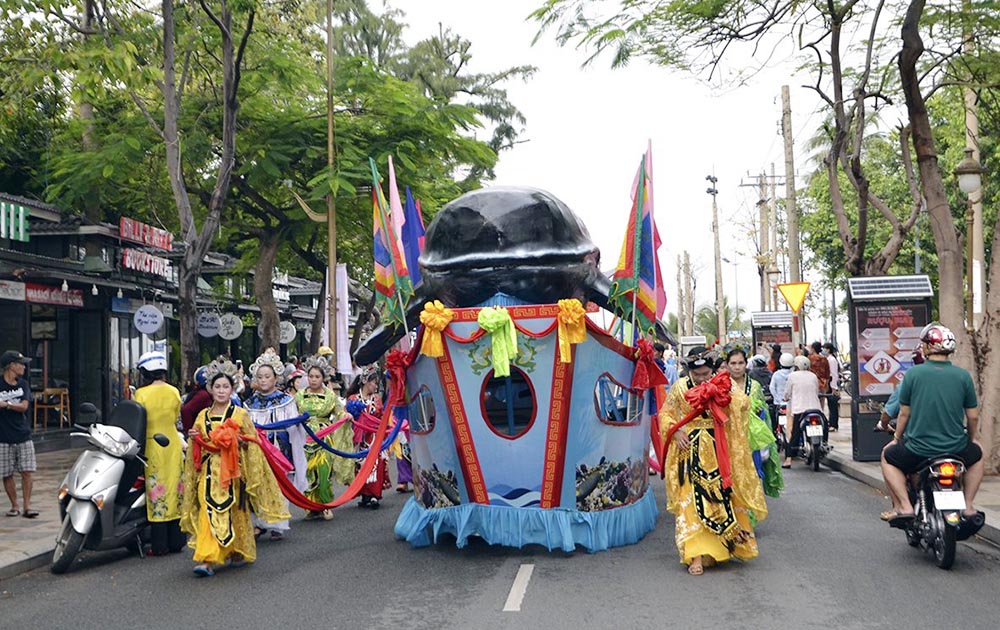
[268, 405]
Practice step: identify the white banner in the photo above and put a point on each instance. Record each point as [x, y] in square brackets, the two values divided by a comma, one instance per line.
[343, 348]
[10, 290]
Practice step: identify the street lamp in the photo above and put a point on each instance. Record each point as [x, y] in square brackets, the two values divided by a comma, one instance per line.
[969, 174]
[720, 315]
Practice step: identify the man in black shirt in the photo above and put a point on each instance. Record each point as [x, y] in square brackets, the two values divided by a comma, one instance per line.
[17, 451]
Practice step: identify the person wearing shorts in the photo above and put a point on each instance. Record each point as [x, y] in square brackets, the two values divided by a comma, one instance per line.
[17, 451]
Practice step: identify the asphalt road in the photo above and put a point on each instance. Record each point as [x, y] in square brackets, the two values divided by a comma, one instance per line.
[826, 561]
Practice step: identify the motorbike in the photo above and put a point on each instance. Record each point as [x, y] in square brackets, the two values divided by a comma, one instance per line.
[814, 431]
[935, 491]
[102, 500]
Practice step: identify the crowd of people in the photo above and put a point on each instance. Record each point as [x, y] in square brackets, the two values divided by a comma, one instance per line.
[223, 494]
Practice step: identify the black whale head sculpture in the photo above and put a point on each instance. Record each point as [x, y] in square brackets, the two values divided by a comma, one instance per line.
[520, 241]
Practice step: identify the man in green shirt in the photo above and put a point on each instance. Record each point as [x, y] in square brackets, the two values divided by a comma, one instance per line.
[938, 415]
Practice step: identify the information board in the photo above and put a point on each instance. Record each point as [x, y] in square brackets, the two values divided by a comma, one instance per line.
[887, 335]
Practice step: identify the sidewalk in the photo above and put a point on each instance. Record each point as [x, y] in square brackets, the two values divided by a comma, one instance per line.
[869, 473]
[26, 544]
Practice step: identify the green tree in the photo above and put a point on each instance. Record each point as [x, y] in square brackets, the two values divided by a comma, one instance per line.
[706, 323]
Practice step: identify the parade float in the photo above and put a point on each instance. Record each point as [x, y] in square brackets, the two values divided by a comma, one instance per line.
[529, 422]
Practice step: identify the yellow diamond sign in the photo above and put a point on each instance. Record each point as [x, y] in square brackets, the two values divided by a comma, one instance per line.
[794, 293]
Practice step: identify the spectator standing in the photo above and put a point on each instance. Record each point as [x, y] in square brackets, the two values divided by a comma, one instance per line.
[819, 366]
[17, 451]
[833, 399]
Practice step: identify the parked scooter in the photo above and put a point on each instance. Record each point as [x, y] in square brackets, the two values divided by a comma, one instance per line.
[102, 500]
[938, 502]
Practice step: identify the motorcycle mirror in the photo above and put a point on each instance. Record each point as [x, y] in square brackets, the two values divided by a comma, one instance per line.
[161, 439]
[88, 414]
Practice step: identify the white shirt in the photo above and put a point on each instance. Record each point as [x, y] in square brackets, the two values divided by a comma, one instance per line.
[802, 391]
[834, 371]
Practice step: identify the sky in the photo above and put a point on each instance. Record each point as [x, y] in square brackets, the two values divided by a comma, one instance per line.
[587, 129]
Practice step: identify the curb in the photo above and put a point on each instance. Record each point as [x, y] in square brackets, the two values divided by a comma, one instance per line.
[29, 563]
[850, 468]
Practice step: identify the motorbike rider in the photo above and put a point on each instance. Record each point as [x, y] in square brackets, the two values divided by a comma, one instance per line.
[777, 386]
[802, 395]
[938, 415]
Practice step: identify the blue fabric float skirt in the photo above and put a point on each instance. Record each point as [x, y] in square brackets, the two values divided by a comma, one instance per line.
[516, 527]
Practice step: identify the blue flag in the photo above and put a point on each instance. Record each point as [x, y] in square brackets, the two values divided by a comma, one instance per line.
[412, 236]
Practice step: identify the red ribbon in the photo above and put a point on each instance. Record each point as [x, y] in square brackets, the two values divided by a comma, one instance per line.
[647, 373]
[396, 363]
[713, 396]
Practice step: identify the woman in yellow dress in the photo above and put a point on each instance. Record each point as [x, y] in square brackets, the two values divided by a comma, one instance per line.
[225, 475]
[712, 521]
[162, 402]
[325, 407]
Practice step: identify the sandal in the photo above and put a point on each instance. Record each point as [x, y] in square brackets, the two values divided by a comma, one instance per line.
[258, 532]
[13, 512]
[29, 514]
[695, 569]
[890, 515]
[234, 563]
[203, 570]
[276, 535]
[327, 515]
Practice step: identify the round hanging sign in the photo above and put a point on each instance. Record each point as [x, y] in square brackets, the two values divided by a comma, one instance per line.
[208, 324]
[148, 319]
[230, 326]
[286, 332]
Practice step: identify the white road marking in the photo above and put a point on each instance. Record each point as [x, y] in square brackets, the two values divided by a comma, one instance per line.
[518, 588]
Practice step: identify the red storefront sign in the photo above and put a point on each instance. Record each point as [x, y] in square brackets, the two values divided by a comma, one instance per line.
[138, 232]
[146, 263]
[44, 294]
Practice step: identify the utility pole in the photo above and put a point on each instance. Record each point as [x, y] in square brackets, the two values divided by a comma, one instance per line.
[772, 219]
[689, 295]
[720, 308]
[331, 202]
[681, 318]
[765, 245]
[791, 211]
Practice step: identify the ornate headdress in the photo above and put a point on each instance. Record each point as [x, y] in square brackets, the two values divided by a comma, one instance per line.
[269, 358]
[733, 346]
[220, 365]
[320, 362]
[369, 372]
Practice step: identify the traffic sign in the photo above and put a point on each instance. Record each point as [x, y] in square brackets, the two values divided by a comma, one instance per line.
[795, 294]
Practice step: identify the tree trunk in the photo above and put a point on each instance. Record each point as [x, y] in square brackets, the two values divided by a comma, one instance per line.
[263, 289]
[315, 335]
[971, 355]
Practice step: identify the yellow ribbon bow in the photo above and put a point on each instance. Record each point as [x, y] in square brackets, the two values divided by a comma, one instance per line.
[435, 318]
[572, 327]
[496, 321]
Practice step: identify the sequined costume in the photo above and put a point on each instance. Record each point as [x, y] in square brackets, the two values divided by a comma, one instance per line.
[323, 467]
[274, 407]
[379, 477]
[709, 520]
[217, 515]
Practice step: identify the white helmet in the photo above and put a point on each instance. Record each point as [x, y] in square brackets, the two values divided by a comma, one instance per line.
[153, 361]
[938, 339]
[786, 359]
[801, 363]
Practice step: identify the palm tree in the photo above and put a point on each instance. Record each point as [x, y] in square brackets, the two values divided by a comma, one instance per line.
[706, 323]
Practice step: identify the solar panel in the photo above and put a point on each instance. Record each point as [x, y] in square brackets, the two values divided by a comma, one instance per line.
[890, 287]
[771, 318]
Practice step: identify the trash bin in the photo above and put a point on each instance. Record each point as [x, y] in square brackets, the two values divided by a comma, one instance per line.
[867, 444]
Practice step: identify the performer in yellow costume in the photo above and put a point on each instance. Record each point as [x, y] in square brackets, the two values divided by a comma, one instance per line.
[226, 476]
[712, 520]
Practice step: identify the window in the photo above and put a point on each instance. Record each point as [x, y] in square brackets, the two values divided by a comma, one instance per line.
[615, 403]
[422, 412]
[508, 403]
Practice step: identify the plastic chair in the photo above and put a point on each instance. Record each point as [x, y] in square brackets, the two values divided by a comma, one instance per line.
[52, 398]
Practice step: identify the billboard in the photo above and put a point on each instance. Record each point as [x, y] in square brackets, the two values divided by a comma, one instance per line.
[887, 335]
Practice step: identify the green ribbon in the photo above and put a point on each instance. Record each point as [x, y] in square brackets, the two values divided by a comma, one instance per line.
[496, 321]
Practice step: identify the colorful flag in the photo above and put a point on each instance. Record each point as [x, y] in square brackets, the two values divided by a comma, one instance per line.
[637, 281]
[393, 288]
[412, 236]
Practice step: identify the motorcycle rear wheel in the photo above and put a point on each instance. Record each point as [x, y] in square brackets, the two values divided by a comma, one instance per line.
[944, 547]
[816, 451]
[68, 545]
